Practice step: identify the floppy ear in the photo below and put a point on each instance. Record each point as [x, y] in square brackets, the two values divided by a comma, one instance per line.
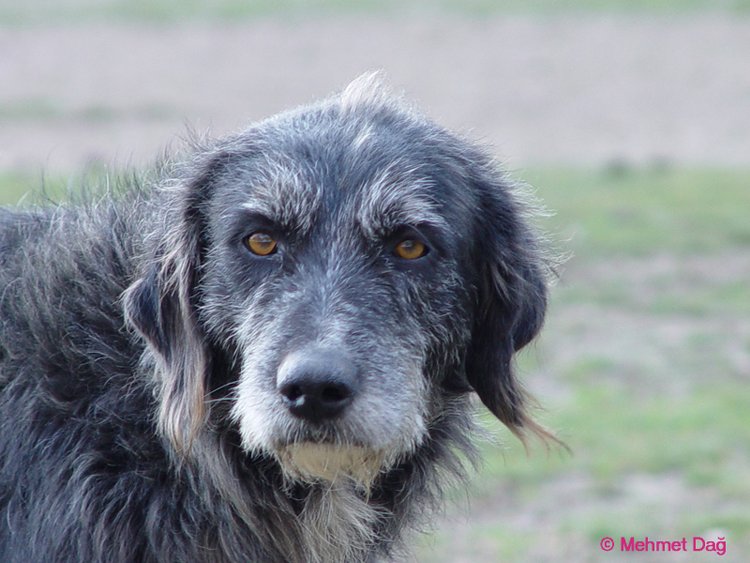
[511, 302]
[161, 306]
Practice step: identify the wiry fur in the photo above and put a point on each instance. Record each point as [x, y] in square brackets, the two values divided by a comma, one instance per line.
[141, 344]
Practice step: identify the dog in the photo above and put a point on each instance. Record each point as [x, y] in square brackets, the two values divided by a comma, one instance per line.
[268, 349]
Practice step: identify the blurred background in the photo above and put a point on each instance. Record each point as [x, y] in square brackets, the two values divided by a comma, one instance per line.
[630, 119]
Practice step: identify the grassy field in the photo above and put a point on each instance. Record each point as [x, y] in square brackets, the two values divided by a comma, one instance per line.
[44, 11]
[642, 369]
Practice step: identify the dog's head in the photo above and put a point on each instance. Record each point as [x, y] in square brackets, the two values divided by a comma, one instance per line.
[337, 274]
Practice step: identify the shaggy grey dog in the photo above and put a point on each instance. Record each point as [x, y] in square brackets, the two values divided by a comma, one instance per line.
[267, 353]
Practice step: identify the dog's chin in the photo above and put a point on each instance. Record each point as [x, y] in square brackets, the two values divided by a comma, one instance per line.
[313, 462]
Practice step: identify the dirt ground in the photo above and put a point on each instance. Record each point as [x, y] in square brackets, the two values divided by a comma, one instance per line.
[584, 91]
[575, 90]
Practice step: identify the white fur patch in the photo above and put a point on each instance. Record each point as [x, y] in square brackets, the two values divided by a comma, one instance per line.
[368, 88]
[328, 462]
[363, 137]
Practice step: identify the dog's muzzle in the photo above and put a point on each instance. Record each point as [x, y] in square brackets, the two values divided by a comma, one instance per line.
[318, 384]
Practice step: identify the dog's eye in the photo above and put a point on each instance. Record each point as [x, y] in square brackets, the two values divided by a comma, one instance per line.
[410, 249]
[261, 243]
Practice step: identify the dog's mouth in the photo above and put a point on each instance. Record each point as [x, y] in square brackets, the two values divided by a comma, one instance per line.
[328, 462]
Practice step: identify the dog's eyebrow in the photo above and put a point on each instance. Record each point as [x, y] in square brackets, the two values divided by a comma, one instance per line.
[390, 202]
[287, 200]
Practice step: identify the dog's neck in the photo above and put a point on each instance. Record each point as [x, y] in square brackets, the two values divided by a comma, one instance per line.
[337, 523]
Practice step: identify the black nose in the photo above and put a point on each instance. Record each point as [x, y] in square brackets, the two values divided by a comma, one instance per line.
[317, 385]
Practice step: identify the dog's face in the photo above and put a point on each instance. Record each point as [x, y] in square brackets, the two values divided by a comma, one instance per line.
[361, 266]
[339, 271]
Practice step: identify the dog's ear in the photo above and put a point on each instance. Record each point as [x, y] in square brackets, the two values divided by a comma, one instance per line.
[511, 301]
[161, 306]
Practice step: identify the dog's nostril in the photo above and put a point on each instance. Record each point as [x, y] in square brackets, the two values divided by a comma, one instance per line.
[316, 400]
[335, 394]
[291, 392]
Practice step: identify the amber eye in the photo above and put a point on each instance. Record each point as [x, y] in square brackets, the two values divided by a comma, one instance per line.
[410, 249]
[261, 244]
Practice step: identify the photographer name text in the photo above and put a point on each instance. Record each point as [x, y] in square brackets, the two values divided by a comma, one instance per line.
[696, 544]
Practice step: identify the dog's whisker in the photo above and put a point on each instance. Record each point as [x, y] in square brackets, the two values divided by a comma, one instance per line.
[221, 388]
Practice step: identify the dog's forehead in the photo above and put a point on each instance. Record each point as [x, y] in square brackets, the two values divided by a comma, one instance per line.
[356, 171]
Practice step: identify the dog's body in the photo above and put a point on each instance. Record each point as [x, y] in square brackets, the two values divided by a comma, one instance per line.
[269, 353]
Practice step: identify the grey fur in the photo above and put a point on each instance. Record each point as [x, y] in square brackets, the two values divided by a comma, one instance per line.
[142, 345]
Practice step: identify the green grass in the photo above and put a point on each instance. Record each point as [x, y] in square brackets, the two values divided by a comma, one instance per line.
[640, 212]
[14, 185]
[24, 188]
[617, 218]
[613, 433]
[76, 11]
